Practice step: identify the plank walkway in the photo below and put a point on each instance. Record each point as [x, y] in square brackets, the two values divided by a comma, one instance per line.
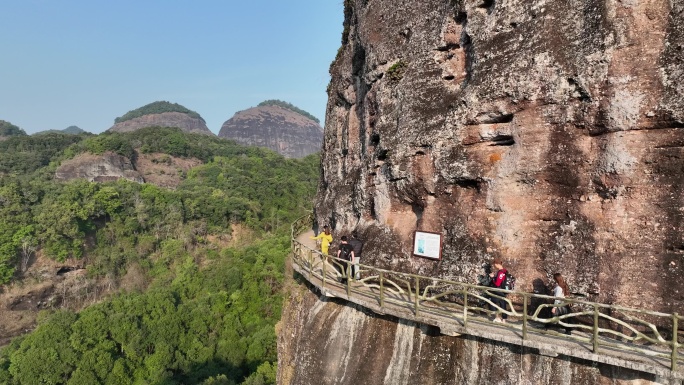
[545, 342]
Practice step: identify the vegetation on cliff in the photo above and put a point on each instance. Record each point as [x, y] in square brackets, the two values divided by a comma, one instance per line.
[209, 310]
[157, 108]
[286, 105]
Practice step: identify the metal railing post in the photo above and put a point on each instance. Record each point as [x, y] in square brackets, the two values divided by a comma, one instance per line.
[325, 262]
[524, 325]
[348, 283]
[465, 308]
[382, 292]
[417, 294]
[675, 343]
[596, 330]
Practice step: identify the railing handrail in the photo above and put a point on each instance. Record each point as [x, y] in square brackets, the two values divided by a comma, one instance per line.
[414, 296]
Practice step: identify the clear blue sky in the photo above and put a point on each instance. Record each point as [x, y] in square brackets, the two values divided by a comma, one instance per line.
[86, 62]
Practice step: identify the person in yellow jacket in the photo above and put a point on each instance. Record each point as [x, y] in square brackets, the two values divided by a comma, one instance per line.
[326, 239]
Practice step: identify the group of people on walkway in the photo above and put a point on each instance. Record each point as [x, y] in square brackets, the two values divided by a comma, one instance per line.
[348, 252]
[349, 255]
[499, 277]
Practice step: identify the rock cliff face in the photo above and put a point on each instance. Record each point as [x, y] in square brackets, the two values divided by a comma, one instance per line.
[549, 133]
[546, 132]
[287, 132]
[165, 119]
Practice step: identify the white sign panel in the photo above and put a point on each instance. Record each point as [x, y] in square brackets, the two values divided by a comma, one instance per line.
[428, 245]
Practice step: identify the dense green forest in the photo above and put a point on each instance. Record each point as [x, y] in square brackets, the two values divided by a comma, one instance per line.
[209, 311]
[289, 106]
[156, 108]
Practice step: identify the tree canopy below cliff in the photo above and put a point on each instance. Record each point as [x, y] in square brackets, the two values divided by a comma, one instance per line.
[280, 103]
[9, 129]
[157, 108]
[210, 309]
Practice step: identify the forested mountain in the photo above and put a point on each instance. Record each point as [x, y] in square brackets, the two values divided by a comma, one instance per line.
[73, 130]
[8, 129]
[203, 305]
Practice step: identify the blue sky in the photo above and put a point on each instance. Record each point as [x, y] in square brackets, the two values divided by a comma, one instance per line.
[86, 62]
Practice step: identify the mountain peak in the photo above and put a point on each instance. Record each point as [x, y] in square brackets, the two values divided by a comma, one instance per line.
[277, 127]
[162, 114]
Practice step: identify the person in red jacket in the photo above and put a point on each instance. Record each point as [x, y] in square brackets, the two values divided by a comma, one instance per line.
[498, 276]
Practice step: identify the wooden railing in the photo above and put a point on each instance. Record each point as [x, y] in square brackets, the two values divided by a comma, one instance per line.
[604, 327]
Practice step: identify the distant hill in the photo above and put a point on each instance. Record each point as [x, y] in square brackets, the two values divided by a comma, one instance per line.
[71, 130]
[74, 130]
[161, 114]
[8, 129]
[291, 133]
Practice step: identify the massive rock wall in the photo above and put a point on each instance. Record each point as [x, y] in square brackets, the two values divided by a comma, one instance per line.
[546, 132]
[279, 129]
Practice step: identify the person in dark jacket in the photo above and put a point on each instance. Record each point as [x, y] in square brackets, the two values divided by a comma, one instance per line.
[346, 255]
[357, 245]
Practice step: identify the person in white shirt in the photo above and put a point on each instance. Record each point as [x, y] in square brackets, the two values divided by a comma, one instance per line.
[560, 291]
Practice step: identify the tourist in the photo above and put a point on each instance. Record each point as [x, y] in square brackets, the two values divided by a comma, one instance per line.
[326, 239]
[345, 253]
[498, 276]
[560, 307]
[357, 245]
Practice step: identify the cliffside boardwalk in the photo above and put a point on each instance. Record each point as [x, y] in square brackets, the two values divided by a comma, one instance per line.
[645, 341]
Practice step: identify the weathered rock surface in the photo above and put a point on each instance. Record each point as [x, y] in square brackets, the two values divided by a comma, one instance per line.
[546, 132]
[98, 168]
[279, 129]
[165, 119]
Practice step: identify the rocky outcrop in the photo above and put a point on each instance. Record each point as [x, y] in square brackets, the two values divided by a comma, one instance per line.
[287, 132]
[181, 120]
[98, 168]
[162, 170]
[547, 133]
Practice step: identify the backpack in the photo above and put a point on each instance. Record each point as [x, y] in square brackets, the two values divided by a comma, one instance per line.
[345, 251]
[509, 282]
